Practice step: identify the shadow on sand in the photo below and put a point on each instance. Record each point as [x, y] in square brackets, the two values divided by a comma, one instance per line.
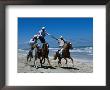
[44, 67]
[70, 68]
[47, 67]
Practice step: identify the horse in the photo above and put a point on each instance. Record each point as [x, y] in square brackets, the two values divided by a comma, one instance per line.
[42, 54]
[65, 53]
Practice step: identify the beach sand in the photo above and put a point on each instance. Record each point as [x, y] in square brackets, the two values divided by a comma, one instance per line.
[80, 66]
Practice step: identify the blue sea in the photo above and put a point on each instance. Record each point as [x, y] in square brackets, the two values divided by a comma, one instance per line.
[81, 53]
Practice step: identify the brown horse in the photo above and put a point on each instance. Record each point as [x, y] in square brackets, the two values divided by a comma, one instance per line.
[65, 53]
[42, 54]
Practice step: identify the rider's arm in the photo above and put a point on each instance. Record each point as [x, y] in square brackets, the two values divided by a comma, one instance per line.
[47, 33]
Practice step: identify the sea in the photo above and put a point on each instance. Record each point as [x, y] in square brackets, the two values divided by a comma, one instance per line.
[80, 53]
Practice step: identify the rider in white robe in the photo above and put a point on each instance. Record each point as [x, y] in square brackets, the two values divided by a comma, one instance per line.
[61, 42]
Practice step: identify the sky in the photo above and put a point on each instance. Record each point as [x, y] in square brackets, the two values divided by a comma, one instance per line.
[79, 31]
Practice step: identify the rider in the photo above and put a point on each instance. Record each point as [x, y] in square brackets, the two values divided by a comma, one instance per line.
[33, 42]
[42, 33]
[61, 42]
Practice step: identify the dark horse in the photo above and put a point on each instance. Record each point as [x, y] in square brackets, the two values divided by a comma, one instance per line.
[65, 53]
[42, 54]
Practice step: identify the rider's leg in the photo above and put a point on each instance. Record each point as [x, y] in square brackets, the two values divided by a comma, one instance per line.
[60, 51]
[42, 39]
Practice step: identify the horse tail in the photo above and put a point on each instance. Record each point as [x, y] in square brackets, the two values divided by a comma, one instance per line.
[55, 57]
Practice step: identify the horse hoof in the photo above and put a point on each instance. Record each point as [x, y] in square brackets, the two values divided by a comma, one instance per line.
[50, 65]
[37, 67]
[59, 62]
[34, 66]
[43, 62]
[59, 65]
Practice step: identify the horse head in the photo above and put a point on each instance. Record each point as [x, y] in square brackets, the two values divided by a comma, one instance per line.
[70, 45]
[45, 46]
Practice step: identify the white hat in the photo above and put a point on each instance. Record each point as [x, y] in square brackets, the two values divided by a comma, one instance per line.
[43, 27]
[61, 36]
[35, 35]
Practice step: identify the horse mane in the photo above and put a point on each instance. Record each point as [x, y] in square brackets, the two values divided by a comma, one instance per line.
[43, 46]
[66, 46]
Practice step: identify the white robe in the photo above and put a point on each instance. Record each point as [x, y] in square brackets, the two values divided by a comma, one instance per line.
[32, 42]
[61, 42]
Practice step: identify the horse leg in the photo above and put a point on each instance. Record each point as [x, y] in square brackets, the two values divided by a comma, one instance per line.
[30, 59]
[43, 61]
[55, 57]
[66, 60]
[48, 61]
[35, 60]
[31, 56]
[27, 57]
[59, 62]
[36, 56]
[72, 61]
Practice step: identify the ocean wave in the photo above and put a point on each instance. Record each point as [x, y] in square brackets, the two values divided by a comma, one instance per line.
[88, 50]
[90, 54]
[53, 48]
[22, 51]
